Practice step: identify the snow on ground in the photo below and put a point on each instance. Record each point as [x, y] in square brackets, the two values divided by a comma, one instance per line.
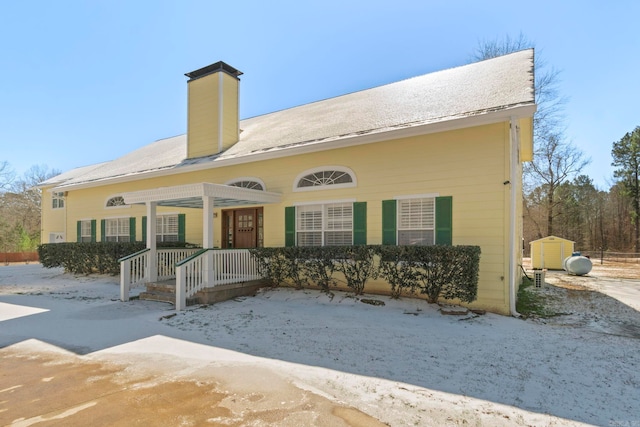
[403, 363]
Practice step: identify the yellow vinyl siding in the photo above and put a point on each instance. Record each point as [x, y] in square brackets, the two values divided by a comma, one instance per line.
[230, 111]
[471, 165]
[204, 114]
[52, 220]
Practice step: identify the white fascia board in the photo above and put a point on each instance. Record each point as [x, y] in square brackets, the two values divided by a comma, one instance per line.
[448, 124]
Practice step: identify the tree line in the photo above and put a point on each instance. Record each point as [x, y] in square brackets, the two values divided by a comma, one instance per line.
[20, 202]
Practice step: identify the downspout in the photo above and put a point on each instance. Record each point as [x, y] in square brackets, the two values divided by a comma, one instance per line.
[513, 179]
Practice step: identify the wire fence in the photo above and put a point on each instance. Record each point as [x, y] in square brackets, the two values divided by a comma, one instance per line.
[622, 257]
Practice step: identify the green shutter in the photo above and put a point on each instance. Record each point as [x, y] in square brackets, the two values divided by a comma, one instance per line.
[181, 227]
[144, 228]
[103, 230]
[290, 226]
[389, 222]
[79, 232]
[444, 220]
[360, 223]
[132, 229]
[93, 230]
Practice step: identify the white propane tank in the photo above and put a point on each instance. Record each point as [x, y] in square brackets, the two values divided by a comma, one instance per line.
[577, 265]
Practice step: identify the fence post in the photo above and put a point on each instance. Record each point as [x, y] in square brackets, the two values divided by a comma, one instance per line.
[125, 278]
[181, 278]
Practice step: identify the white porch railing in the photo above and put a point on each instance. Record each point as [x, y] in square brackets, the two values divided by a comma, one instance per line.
[134, 269]
[209, 268]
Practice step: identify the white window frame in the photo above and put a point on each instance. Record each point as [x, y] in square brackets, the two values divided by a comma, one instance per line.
[247, 179]
[106, 203]
[83, 230]
[119, 237]
[401, 218]
[162, 224]
[57, 200]
[325, 226]
[343, 169]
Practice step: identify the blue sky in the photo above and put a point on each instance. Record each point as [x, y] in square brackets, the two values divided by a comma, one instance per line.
[83, 82]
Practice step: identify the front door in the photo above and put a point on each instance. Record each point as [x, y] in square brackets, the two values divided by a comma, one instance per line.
[242, 228]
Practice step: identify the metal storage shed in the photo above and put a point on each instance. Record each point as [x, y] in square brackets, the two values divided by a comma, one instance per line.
[549, 252]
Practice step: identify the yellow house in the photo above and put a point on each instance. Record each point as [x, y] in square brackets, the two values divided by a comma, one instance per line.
[550, 252]
[434, 159]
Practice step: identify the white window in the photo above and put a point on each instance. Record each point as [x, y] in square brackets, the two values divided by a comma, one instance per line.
[57, 200]
[85, 231]
[167, 228]
[416, 221]
[324, 178]
[117, 230]
[116, 201]
[324, 224]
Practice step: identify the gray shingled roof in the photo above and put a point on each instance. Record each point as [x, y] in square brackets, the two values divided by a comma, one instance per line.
[470, 90]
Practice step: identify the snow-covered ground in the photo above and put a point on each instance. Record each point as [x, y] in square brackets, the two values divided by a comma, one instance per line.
[403, 363]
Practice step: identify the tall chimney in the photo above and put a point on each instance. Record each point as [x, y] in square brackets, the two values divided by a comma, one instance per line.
[213, 109]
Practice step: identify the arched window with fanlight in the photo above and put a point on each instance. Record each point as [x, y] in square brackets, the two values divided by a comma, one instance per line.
[325, 178]
[115, 202]
[247, 182]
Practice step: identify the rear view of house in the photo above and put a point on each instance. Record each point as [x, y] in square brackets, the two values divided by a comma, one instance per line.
[435, 159]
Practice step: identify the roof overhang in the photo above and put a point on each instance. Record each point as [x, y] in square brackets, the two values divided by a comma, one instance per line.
[192, 196]
[444, 124]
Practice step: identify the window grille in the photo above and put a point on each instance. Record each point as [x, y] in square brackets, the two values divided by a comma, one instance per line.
[252, 185]
[57, 201]
[325, 178]
[117, 230]
[116, 201]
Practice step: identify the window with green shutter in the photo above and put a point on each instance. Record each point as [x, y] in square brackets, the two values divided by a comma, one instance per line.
[360, 223]
[86, 230]
[290, 226]
[328, 224]
[417, 221]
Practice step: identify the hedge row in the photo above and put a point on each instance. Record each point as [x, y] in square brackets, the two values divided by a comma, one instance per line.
[448, 272]
[96, 257]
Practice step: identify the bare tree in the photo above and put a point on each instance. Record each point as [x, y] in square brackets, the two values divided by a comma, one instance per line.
[555, 159]
[7, 176]
[554, 162]
[20, 207]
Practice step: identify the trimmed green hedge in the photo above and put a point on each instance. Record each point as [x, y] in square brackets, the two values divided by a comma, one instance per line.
[95, 257]
[449, 272]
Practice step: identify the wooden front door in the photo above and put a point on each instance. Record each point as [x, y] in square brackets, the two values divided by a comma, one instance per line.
[242, 228]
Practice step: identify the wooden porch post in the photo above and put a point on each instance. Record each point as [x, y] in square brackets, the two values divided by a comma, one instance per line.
[207, 238]
[152, 265]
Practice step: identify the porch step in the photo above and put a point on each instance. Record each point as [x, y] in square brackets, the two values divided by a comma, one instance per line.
[164, 292]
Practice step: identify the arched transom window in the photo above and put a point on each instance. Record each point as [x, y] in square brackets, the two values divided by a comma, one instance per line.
[116, 201]
[325, 177]
[247, 183]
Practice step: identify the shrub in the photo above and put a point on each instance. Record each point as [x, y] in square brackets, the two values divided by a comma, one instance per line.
[272, 264]
[398, 269]
[449, 272]
[95, 257]
[437, 271]
[357, 265]
[319, 266]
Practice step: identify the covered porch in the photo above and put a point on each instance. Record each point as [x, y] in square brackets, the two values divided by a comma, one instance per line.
[192, 269]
